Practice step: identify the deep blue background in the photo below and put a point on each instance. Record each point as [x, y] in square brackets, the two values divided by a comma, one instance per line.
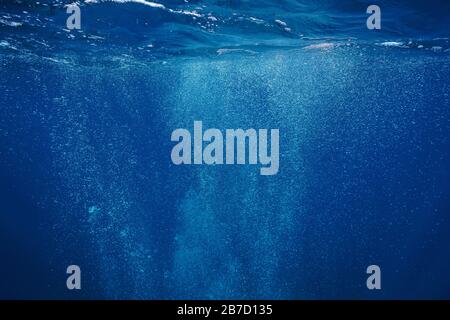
[86, 176]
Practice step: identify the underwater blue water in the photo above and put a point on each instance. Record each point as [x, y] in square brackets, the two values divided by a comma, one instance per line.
[86, 176]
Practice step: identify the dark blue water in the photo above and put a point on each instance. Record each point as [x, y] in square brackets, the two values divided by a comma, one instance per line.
[86, 176]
